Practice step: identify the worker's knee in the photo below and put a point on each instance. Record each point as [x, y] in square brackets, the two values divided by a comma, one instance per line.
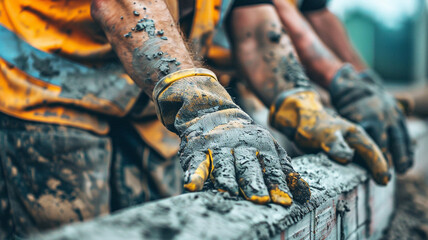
[53, 175]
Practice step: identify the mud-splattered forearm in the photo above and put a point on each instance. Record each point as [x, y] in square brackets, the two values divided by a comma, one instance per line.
[264, 52]
[144, 37]
[333, 34]
[321, 64]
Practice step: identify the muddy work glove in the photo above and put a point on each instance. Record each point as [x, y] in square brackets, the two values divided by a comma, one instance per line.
[299, 114]
[221, 142]
[362, 100]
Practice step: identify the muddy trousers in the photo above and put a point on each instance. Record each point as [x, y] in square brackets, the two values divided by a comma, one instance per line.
[52, 175]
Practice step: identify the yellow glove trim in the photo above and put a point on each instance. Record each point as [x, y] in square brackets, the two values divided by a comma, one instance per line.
[174, 77]
[168, 80]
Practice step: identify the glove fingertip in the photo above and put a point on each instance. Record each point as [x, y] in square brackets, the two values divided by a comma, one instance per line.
[340, 152]
[256, 199]
[229, 189]
[403, 166]
[194, 179]
[342, 158]
[382, 178]
[196, 183]
[299, 188]
[280, 197]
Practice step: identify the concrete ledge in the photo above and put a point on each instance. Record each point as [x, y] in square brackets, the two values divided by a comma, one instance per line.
[418, 129]
[345, 204]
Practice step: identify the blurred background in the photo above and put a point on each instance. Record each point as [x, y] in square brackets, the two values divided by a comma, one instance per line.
[390, 35]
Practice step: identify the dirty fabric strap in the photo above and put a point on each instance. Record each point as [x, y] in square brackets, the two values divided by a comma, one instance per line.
[12, 48]
[76, 81]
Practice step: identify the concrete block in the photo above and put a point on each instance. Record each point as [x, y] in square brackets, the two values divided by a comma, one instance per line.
[301, 230]
[418, 130]
[214, 215]
[349, 220]
[381, 202]
[362, 204]
[325, 221]
[360, 234]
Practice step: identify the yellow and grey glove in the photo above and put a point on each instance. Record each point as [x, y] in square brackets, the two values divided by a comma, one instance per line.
[361, 99]
[299, 114]
[220, 141]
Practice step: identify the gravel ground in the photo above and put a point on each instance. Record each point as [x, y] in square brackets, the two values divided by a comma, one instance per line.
[411, 218]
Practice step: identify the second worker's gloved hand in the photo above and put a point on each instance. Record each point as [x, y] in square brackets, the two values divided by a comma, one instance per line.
[299, 114]
[221, 142]
[362, 100]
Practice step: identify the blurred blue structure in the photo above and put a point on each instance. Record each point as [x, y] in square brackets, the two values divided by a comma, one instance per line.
[390, 35]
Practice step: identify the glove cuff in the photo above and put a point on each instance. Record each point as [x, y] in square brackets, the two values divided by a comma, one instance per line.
[168, 80]
[345, 75]
[164, 112]
[343, 72]
[184, 97]
[371, 76]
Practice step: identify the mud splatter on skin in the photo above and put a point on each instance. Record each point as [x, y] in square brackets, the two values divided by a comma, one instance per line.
[147, 25]
[157, 63]
[292, 71]
[280, 68]
[274, 36]
[153, 66]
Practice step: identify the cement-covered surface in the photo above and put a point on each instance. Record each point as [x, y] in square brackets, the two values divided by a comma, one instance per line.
[214, 215]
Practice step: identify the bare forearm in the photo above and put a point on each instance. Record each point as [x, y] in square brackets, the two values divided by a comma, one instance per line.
[144, 37]
[264, 52]
[321, 64]
[333, 34]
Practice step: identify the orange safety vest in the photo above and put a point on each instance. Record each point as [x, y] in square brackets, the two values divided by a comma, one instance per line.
[31, 90]
[66, 29]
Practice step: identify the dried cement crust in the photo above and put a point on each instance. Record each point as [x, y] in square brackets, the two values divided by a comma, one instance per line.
[215, 215]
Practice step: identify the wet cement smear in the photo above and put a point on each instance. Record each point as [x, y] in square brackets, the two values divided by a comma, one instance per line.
[215, 215]
[274, 36]
[147, 25]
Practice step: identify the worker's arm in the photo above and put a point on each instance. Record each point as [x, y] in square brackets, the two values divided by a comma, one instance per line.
[358, 97]
[146, 54]
[218, 140]
[264, 51]
[267, 60]
[319, 61]
[331, 31]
